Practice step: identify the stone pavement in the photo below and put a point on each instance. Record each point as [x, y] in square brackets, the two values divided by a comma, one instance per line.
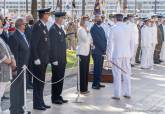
[148, 97]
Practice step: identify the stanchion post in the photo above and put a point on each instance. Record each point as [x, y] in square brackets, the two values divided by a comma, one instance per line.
[78, 78]
[25, 96]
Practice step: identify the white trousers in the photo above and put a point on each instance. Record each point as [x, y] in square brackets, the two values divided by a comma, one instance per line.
[147, 57]
[2, 90]
[134, 51]
[122, 81]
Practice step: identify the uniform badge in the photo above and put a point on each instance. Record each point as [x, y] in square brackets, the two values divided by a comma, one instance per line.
[46, 39]
[44, 32]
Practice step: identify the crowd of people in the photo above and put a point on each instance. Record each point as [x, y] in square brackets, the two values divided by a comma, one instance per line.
[125, 41]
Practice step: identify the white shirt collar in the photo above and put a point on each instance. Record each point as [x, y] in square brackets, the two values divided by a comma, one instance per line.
[58, 25]
[43, 22]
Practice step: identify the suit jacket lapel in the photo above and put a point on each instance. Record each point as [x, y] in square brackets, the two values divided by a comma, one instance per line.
[20, 37]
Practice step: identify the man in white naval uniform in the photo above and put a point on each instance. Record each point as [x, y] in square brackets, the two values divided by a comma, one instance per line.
[154, 33]
[147, 45]
[135, 37]
[105, 26]
[119, 49]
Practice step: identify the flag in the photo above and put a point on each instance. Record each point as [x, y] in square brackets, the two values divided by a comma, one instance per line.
[73, 4]
[125, 4]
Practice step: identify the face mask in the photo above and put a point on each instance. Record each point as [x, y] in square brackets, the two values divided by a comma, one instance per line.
[99, 22]
[149, 24]
[63, 22]
[31, 22]
[86, 23]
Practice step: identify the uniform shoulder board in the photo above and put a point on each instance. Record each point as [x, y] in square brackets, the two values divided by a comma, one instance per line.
[39, 24]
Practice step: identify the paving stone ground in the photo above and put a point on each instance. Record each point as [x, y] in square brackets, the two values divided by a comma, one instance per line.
[148, 96]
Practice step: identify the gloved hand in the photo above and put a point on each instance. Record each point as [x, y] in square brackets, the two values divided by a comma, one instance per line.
[37, 62]
[92, 46]
[55, 63]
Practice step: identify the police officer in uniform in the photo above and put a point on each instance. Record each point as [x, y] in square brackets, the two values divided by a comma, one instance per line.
[40, 57]
[58, 57]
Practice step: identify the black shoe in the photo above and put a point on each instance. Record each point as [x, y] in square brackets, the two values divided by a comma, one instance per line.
[127, 97]
[64, 101]
[137, 61]
[46, 106]
[59, 102]
[85, 92]
[102, 86]
[132, 65]
[156, 62]
[39, 108]
[4, 98]
[96, 87]
[161, 61]
[116, 98]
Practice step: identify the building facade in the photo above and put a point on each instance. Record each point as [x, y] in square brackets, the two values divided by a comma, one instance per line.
[141, 7]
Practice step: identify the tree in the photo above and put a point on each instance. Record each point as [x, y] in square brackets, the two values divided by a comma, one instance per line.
[34, 9]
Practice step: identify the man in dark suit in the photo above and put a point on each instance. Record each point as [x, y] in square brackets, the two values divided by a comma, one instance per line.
[159, 39]
[40, 57]
[58, 57]
[100, 44]
[20, 48]
[28, 33]
[5, 36]
[160, 43]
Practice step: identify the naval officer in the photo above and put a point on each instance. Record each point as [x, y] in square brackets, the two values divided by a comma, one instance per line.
[40, 57]
[58, 57]
[119, 50]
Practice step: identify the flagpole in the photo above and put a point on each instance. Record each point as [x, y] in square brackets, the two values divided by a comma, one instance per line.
[4, 7]
[83, 7]
[53, 4]
[60, 5]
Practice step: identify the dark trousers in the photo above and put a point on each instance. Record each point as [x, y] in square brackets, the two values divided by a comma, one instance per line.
[98, 66]
[138, 54]
[84, 69]
[157, 53]
[57, 74]
[38, 87]
[17, 95]
[29, 81]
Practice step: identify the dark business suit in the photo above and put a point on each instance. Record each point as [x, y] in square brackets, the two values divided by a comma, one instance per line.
[57, 53]
[100, 43]
[20, 49]
[40, 50]
[28, 33]
[5, 37]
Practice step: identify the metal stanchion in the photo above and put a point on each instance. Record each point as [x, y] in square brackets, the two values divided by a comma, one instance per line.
[25, 102]
[78, 78]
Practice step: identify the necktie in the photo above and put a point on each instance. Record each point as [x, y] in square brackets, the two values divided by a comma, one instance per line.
[24, 37]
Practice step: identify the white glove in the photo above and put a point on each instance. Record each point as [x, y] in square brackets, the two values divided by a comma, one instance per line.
[92, 46]
[55, 63]
[37, 62]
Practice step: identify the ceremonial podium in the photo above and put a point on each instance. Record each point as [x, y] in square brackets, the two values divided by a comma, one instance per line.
[106, 77]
